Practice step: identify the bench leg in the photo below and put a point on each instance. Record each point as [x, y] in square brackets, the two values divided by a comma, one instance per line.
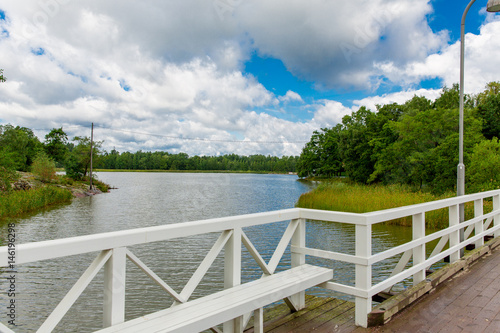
[233, 326]
[258, 321]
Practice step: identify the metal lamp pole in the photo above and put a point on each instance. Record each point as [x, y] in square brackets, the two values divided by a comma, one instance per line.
[492, 6]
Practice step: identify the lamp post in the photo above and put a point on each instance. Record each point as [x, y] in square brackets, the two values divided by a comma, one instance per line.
[492, 6]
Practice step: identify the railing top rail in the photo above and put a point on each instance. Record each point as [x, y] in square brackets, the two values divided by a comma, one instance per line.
[43, 250]
[31, 252]
[332, 216]
[395, 213]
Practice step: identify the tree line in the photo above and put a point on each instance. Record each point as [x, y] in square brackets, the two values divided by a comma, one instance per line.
[20, 148]
[415, 143]
[160, 160]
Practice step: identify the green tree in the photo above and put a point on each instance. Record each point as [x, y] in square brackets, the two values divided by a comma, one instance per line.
[77, 163]
[56, 145]
[483, 173]
[7, 170]
[19, 146]
[354, 145]
[2, 77]
[491, 89]
[321, 155]
[44, 167]
[489, 111]
[426, 151]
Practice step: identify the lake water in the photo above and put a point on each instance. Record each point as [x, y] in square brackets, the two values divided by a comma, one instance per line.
[152, 199]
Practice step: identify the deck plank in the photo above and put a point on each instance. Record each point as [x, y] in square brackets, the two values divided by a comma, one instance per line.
[318, 311]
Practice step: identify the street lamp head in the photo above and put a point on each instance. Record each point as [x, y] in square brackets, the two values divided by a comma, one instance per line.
[493, 6]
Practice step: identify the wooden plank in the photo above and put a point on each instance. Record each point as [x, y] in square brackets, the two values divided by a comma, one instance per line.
[330, 321]
[310, 317]
[278, 311]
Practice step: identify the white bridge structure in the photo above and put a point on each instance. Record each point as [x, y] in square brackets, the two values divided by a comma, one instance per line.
[233, 306]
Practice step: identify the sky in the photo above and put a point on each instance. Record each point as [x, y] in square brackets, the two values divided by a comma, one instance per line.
[214, 77]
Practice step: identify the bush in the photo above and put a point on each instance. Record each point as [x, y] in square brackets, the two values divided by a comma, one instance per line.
[74, 168]
[484, 170]
[44, 168]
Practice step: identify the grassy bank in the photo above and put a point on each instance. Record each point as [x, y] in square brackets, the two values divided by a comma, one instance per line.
[345, 197]
[19, 202]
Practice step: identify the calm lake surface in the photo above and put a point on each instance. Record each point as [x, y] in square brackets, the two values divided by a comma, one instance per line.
[152, 199]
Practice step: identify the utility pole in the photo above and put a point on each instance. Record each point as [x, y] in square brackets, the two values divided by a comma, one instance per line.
[91, 153]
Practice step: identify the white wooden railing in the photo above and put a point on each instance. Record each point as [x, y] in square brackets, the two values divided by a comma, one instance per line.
[113, 251]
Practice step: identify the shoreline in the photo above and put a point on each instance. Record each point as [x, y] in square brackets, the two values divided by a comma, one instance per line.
[30, 196]
[200, 171]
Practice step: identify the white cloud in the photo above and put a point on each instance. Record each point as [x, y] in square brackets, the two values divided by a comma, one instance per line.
[291, 96]
[336, 43]
[397, 97]
[329, 113]
[481, 57]
[174, 68]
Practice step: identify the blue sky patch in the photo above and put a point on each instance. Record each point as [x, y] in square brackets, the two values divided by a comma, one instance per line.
[124, 85]
[81, 77]
[2, 15]
[39, 51]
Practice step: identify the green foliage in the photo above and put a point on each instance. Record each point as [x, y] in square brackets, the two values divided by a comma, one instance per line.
[74, 167]
[7, 176]
[489, 111]
[44, 168]
[321, 155]
[141, 160]
[19, 146]
[484, 171]
[2, 77]
[426, 151]
[19, 202]
[56, 145]
[77, 163]
[354, 144]
[103, 187]
[414, 144]
[491, 89]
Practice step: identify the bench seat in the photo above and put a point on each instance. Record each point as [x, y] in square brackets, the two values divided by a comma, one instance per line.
[209, 311]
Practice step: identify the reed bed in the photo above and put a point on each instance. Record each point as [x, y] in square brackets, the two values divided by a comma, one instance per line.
[346, 197]
[20, 202]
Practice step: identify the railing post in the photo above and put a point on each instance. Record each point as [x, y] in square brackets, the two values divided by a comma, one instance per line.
[454, 219]
[114, 288]
[418, 227]
[232, 274]
[363, 306]
[479, 226]
[299, 240]
[496, 219]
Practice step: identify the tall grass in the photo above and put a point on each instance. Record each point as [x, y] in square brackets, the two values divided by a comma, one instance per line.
[346, 197]
[18, 202]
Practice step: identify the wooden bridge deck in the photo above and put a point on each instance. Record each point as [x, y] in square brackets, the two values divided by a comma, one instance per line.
[468, 302]
[321, 315]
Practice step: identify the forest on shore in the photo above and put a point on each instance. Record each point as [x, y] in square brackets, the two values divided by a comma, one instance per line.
[21, 150]
[414, 144]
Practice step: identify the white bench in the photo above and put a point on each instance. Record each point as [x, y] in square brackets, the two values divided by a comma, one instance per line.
[209, 311]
